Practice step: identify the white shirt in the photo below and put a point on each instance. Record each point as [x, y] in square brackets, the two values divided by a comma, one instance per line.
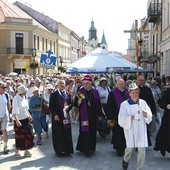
[29, 93]
[103, 93]
[20, 107]
[156, 93]
[3, 106]
[47, 97]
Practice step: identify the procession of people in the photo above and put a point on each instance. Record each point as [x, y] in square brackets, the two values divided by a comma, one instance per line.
[130, 108]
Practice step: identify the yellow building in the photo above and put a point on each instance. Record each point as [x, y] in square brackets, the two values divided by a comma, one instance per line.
[19, 35]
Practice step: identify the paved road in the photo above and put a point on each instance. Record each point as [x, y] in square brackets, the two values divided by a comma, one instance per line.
[104, 158]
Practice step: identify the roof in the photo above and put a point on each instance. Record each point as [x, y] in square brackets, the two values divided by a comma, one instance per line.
[46, 21]
[7, 10]
[10, 10]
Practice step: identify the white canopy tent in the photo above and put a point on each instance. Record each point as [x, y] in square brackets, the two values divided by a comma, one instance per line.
[98, 61]
[120, 57]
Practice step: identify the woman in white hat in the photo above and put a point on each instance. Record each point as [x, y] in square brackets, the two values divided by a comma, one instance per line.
[38, 115]
[103, 90]
[23, 130]
[49, 90]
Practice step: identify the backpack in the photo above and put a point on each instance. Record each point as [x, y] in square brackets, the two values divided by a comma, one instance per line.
[7, 97]
[8, 103]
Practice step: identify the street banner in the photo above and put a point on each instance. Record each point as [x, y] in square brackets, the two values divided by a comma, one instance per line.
[48, 60]
[21, 63]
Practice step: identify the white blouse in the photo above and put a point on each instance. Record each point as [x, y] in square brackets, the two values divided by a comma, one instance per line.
[103, 93]
[3, 106]
[20, 107]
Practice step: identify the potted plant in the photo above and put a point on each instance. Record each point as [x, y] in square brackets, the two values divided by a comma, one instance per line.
[34, 65]
[61, 69]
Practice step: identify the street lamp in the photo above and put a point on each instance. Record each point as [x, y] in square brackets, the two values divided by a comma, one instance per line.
[34, 54]
[60, 63]
[61, 60]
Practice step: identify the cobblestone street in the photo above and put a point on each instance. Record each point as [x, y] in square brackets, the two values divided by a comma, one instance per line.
[104, 158]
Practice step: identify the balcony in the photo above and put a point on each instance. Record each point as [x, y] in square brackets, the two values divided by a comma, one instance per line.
[143, 56]
[154, 12]
[25, 51]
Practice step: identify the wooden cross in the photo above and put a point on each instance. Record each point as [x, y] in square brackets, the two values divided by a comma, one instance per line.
[136, 31]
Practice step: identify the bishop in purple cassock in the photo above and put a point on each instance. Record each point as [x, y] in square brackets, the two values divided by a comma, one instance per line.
[116, 97]
[89, 112]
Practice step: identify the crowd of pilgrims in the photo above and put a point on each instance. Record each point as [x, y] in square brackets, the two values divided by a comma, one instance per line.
[83, 100]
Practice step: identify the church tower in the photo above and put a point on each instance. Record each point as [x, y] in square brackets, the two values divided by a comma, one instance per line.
[103, 43]
[93, 41]
[131, 44]
[92, 32]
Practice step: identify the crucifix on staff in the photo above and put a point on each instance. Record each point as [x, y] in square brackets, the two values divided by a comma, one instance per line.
[136, 31]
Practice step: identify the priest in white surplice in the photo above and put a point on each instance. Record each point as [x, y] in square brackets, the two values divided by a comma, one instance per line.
[134, 114]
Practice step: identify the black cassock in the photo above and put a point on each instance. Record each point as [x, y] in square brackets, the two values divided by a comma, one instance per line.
[162, 141]
[61, 134]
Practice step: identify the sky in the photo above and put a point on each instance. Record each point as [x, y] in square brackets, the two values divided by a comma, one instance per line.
[110, 16]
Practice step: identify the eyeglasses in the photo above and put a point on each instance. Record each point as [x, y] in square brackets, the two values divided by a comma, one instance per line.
[50, 89]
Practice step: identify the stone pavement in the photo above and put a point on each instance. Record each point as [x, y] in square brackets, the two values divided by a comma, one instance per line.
[105, 158]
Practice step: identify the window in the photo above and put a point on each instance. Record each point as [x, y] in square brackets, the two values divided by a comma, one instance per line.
[43, 43]
[167, 14]
[19, 43]
[38, 42]
[50, 45]
[46, 44]
[54, 47]
[35, 41]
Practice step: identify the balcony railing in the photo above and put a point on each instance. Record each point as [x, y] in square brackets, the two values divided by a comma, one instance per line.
[154, 12]
[25, 51]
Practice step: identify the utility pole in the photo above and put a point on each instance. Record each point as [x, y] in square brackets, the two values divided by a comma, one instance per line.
[136, 31]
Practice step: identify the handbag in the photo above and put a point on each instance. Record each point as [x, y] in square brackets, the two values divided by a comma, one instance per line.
[45, 108]
[112, 123]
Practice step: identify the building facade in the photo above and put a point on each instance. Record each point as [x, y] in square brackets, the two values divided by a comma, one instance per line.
[27, 34]
[21, 34]
[155, 47]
